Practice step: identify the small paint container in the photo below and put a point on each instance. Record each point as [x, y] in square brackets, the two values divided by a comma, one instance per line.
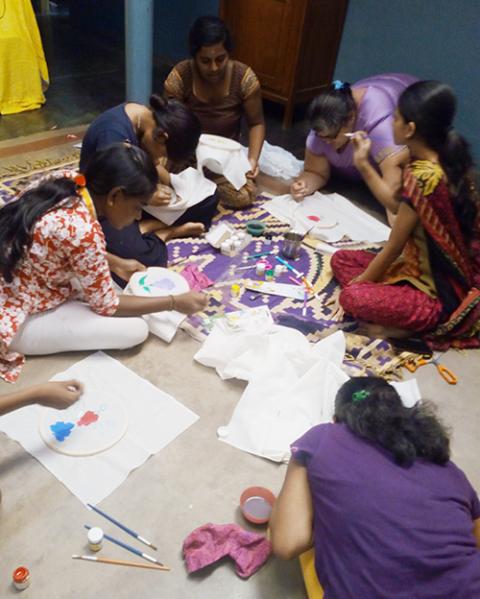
[291, 245]
[269, 274]
[95, 538]
[237, 245]
[255, 227]
[260, 269]
[226, 247]
[278, 270]
[21, 578]
[235, 290]
[256, 504]
[241, 235]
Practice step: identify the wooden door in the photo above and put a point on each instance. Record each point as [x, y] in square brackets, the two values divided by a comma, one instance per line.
[267, 36]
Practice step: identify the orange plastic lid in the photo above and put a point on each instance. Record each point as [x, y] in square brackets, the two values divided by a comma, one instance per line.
[20, 574]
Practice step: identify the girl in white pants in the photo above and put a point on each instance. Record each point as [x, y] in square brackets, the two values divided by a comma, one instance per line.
[56, 292]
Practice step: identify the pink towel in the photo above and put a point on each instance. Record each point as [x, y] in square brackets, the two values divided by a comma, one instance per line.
[196, 278]
[210, 542]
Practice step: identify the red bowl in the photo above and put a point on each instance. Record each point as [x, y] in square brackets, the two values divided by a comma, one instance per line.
[256, 504]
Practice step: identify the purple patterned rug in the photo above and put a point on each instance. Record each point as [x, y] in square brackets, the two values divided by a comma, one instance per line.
[364, 355]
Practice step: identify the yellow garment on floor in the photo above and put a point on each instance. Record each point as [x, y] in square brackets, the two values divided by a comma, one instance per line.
[310, 579]
[23, 68]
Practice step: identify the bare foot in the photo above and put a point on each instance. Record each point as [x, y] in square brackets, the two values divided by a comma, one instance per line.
[185, 230]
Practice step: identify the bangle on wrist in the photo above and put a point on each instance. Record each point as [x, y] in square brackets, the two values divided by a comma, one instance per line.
[172, 302]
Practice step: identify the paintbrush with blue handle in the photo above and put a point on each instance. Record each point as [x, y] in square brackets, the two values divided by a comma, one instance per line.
[129, 548]
[122, 526]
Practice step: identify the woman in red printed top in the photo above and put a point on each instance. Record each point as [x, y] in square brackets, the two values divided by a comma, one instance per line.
[56, 292]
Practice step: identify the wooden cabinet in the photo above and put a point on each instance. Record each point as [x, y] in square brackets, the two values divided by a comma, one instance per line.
[291, 45]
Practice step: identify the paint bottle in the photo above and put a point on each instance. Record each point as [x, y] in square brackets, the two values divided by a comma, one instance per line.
[21, 578]
[226, 247]
[235, 290]
[95, 538]
[269, 276]
[237, 245]
[260, 269]
[278, 270]
[241, 235]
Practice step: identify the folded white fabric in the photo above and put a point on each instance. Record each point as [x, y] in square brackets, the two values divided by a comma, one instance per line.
[278, 162]
[223, 156]
[190, 187]
[292, 383]
[331, 216]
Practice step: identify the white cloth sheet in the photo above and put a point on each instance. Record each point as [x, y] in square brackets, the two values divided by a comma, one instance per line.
[338, 218]
[278, 162]
[155, 419]
[291, 383]
[231, 163]
[190, 187]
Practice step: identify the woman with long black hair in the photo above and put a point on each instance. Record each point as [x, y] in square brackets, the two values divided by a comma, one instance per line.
[376, 495]
[56, 292]
[426, 279]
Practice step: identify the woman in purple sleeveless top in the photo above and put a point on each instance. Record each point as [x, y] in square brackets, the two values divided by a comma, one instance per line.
[375, 493]
[340, 109]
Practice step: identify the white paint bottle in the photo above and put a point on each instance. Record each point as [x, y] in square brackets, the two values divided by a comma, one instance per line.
[95, 538]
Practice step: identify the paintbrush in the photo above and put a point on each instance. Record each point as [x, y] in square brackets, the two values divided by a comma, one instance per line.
[120, 562]
[129, 548]
[304, 309]
[350, 135]
[122, 526]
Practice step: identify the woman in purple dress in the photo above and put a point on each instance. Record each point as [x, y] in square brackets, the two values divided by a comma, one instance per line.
[375, 493]
[340, 110]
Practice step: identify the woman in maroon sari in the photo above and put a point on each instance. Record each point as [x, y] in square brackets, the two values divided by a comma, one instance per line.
[426, 279]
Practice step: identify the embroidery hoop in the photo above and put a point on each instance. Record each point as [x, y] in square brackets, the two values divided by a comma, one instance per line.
[148, 283]
[88, 440]
[219, 143]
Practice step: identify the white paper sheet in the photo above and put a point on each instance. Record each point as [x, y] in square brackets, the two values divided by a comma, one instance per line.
[154, 420]
[190, 187]
[350, 220]
[232, 164]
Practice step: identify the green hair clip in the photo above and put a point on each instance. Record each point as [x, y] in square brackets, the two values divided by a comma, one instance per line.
[360, 395]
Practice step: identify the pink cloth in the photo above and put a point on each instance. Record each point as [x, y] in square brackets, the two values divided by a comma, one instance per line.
[197, 280]
[210, 542]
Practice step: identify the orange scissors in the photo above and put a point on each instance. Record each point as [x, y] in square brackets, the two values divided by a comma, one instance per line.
[445, 372]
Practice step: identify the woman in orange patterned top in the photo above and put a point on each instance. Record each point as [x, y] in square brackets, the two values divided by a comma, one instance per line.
[220, 91]
[56, 292]
[426, 279]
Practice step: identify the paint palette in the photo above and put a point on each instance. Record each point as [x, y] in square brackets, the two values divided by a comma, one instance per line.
[157, 282]
[219, 143]
[91, 425]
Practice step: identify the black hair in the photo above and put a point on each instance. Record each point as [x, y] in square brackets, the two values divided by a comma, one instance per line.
[181, 125]
[332, 108]
[207, 31]
[372, 409]
[431, 105]
[120, 165]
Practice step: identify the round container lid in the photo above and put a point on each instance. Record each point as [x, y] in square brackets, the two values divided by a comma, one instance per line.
[95, 535]
[20, 574]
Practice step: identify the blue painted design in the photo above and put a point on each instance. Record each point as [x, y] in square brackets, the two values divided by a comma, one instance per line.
[61, 430]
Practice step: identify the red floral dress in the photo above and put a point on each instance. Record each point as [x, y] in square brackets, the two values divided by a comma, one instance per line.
[66, 260]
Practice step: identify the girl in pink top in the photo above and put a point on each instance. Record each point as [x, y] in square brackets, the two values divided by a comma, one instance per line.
[341, 110]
